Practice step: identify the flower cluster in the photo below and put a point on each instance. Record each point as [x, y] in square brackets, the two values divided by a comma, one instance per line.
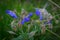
[27, 18]
[41, 13]
[44, 15]
[38, 12]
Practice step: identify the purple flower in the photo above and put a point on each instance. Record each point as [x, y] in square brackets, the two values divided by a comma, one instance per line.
[11, 13]
[22, 22]
[41, 17]
[30, 14]
[37, 12]
[26, 19]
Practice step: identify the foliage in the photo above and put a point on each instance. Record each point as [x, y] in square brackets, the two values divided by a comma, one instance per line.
[30, 30]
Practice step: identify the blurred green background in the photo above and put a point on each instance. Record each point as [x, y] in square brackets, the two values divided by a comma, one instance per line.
[28, 5]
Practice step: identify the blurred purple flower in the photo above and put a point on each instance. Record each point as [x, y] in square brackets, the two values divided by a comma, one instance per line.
[11, 13]
[41, 17]
[30, 14]
[22, 22]
[26, 19]
[37, 12]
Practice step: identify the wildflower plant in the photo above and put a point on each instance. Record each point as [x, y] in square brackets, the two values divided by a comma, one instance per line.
[27, 25]
[29, 20]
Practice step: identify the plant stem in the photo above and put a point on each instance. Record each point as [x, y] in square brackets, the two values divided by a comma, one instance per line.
[54, 3]
[53, 33]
